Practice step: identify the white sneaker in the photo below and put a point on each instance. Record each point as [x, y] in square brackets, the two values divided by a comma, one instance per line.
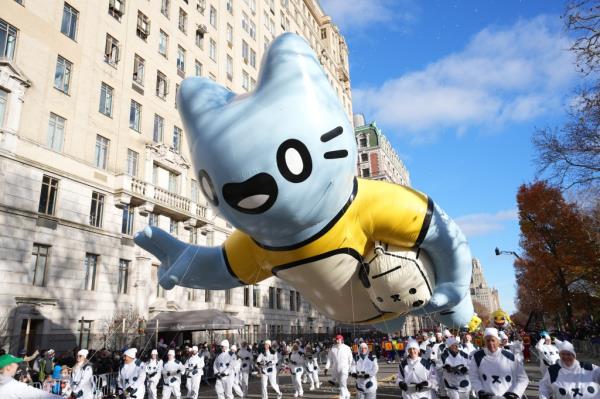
[312, 388]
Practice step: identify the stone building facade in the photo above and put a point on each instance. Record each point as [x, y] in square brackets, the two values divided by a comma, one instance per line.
[92, 150]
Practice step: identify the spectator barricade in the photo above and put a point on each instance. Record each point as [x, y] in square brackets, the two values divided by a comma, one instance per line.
[106, 384]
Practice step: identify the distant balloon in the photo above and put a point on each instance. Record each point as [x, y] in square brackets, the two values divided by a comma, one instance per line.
[279, 164]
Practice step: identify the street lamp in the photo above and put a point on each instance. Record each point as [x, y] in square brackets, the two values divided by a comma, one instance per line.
[499, 252]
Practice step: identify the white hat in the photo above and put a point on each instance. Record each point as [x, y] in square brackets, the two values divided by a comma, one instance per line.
[154, 352]
[412, 344]
[451, 341]
[491, 332]
[424, 334]
[131, 352]
[432, 339]
[233, 347]
[268, 342]
[171, 352]
[438, 333]
[566, 346]
[194, 348]
[225, 343]
[83, 352]
[447, 333]
[50, 351]
[364, 345]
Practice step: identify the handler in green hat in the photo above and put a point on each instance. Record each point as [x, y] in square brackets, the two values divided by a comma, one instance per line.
[13, 389]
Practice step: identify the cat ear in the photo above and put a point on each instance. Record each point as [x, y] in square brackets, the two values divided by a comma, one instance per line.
[198, 95]
[290, 66]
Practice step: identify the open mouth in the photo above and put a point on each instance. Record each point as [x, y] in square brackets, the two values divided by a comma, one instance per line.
[253, 196]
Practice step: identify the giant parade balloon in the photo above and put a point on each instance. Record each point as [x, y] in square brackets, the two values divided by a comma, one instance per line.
[279, 164]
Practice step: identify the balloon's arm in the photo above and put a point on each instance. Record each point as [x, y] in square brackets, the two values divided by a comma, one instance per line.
[451, 257]
[187, 265]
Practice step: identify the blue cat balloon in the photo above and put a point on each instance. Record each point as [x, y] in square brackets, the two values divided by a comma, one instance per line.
[279, 164]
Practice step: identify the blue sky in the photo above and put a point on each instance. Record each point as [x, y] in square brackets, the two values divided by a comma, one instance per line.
[459, 87]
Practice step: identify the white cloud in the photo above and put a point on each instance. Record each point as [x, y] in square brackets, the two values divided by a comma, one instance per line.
[505, 75]
[480, 224]
[358, 14]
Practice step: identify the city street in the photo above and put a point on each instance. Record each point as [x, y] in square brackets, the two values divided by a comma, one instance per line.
[386, 388]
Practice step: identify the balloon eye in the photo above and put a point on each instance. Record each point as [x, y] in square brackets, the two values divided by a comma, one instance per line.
[294, 161]
[207, 187]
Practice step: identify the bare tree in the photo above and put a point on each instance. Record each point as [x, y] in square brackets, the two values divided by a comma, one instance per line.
[570, 155]
[120, 330]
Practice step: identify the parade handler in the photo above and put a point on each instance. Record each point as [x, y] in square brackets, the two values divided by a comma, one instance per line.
[569, 378]
[364, 369]
[496, 372]
[13, 389]
[416, 377]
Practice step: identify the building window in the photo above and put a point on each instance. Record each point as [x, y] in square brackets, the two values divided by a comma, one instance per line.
[191, 294]
[173, 182]
[176, 139]
[193, 235]
[180, 60]
[182, 20]
[135, 114]
[123, 276]
[362, 142]
[62, 75]
[101, 158]
[159, 128]
[163, 43]
[127, 221]
[56, 131]
[8, 40]
[96, 209]
[364, 157]
[298, 303]
[212, 50]
[90, 265]
[292, 300]
[207, 296]
[229, 36]
[366, 172]
[245, 51]
[3, 102]
[247, 296]
[69, 21]
[84, 331]
[173, 227]
[111, 50]
[39, 263]
[229, 68]
[256, 296]
[132, 162]
[197, 69]
[153, 219]
[212, 17]
[252, 58]
[116, 8]
[143, 26]
[164, 7]
[195, 191]
[228, 297]
[138, 70]
[278, 298]
[229, 6]
[271, 297]
[245, 80]
[162, 85]
[199, 38]
[252, 83]
[48, 195]
[106, 99]
[176, 92]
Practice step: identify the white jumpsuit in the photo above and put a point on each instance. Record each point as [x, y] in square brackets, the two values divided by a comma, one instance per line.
[223, 368]
[171, 373]
[194, 368]
[339, 360]
[246, 358]
[267, 364]
[420, 378]
[235, 381]
[580, 381]
[548, 355]
[468, 348]
[82, 381]
[132, 379]
[366, 369]
[153, 370]
[311, 366]
[497, 373]
[13, 389]
[456, 374]
[296, 365]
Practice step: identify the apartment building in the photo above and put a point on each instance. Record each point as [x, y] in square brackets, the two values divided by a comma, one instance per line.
[92, 149]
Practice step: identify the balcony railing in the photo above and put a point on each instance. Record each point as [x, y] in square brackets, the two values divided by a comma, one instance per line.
[171, 199]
